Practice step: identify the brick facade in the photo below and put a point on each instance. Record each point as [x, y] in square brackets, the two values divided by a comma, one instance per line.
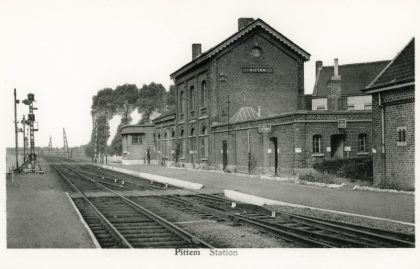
[294, 135]
[135, 150]
[395, 167]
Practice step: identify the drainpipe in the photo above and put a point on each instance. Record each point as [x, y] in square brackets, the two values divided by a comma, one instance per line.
[382, 138]
[249, 153]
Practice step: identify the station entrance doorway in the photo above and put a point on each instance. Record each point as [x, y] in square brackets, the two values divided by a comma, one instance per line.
[273, 146]
[337, 146]
[224, 154]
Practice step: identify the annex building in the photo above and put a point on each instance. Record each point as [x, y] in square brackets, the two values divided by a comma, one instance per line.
[393, 94]
[240, 106]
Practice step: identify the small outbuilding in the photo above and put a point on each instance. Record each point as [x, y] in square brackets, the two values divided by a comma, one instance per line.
[138, 144]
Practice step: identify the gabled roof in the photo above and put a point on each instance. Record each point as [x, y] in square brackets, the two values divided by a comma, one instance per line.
[400, 71]
[169, 113]
[137, 128]
[354, 77]
[245, 114]
[230, 40]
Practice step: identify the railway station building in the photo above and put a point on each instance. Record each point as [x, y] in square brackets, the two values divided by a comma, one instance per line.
[240, 106]
[138, 145]
[393, 96]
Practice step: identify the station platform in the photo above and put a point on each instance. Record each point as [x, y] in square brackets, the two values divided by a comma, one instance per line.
[392, 206]
[41, 215]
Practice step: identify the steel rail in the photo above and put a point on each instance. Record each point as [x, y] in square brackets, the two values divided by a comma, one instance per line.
[294, 233]
[170, 226]
[113, 177]
[353, 232]
[116, 234]
[341, 228]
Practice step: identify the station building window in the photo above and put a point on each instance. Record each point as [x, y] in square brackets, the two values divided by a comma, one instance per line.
[402, 136]
[182, 144]
[136, 139]
[316, 143]
[203, 94]
[193, 140]
[192, 98]
[362, 142]
[165, 145]
[181, 102]
[204, 141]
[256, 51]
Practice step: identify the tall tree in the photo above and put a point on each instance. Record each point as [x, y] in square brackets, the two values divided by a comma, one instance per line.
[104, 101]
[170, 97]
[125, 99]
[151, 99]
[103, 132]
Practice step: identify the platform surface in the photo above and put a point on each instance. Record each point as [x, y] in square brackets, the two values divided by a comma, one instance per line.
[394, 206]
[40, 214]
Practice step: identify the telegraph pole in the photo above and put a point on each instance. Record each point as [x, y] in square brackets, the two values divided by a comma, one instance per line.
[65, 144]
[16, 130]
[24, 137]
[50, 146]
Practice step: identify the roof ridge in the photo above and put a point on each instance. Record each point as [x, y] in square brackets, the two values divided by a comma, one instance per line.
[233, 38]
[341, 65]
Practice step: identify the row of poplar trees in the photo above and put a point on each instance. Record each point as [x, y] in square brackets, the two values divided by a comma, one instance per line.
[123, 100]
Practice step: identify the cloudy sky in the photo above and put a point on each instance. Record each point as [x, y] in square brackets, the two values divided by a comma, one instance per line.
[65, 51]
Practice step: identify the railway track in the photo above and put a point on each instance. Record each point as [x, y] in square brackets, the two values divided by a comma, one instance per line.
[306, 231]
[309, 231]
[119, 222]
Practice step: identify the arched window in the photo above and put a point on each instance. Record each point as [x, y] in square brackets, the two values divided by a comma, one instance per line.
[192, 98]
[204, 141]
[166, 135]
[182, 144]
[192, 132]
[203, 102]
[158, 136]
[362, 142]
[316, 143]
[173, 134]
[181, 102]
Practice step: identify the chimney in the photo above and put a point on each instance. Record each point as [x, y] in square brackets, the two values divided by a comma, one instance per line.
[336, 75]
[318, 68]
[196, 50]
[244, 22]
[259, 111]
[334, 89]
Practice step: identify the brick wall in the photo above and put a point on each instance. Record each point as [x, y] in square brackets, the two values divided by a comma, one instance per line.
[399, 161]
[278, 91]
[292, 131]
[138, 151]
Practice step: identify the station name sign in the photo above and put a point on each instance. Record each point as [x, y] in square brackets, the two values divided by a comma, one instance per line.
[342, 123]
[257, 70]
[264, 128]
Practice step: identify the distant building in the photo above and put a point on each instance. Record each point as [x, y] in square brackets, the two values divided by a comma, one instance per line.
[393, 94]
[338, 87]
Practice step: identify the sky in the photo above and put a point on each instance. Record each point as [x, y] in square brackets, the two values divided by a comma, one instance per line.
[65, 51]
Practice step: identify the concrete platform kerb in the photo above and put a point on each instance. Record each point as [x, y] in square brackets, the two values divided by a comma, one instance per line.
[160, 179]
